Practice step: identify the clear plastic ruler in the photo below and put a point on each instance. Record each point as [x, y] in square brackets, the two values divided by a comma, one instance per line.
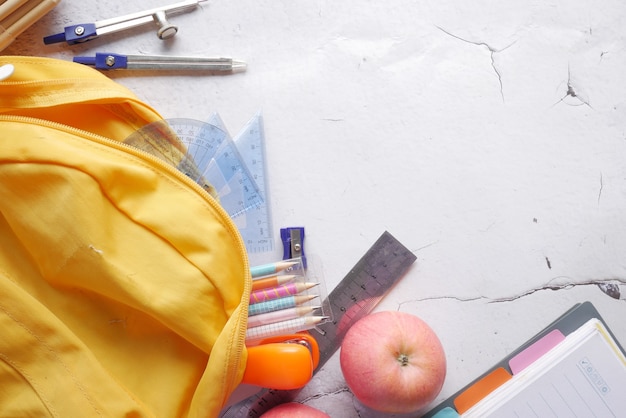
[255, 225]
[354, 297]
[205, 153]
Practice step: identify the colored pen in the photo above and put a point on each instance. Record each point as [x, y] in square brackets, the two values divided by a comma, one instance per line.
[271, 268]
[285, 290]
[271, 281]
[290, 326]
[278, 304]
[278, 316]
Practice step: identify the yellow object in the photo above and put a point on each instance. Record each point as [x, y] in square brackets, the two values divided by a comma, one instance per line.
[124, 286]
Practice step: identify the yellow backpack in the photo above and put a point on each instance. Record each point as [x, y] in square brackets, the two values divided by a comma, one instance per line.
[123, 284]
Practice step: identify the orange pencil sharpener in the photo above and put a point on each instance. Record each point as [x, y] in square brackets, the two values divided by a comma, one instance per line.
[284, 362]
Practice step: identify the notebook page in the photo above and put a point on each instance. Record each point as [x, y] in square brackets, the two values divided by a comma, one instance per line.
[584, 376]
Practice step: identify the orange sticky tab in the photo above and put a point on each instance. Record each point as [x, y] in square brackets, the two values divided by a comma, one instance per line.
[475, 393]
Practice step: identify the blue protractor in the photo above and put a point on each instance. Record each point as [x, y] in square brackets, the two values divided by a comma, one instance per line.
[205, 153]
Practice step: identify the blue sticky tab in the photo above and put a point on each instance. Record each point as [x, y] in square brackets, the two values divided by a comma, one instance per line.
[446, 412]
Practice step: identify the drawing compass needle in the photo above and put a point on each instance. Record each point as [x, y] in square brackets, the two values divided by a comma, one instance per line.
[87, 31]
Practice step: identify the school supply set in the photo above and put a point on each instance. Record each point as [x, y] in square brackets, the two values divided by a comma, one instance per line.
[574, 367]
[383, 264]
[18, 15]
[125, 285]
[233, 171]
[284, 303]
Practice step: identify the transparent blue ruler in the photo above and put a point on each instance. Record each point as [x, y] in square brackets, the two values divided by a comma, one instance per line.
[255, 224]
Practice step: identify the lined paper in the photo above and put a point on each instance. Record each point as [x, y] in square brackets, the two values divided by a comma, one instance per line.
[583, 376]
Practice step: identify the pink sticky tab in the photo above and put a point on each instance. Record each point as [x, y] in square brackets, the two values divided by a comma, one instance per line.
[535, 351]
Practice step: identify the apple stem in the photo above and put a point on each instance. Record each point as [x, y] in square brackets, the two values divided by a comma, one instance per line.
[403, 359]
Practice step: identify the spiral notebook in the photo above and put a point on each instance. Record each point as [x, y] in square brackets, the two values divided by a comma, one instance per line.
[574, 367]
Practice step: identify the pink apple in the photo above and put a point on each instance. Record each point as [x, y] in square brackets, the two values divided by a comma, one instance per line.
[393, 362]
[294, 410]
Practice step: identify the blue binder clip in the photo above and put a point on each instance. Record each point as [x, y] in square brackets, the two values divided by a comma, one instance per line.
[293, 243]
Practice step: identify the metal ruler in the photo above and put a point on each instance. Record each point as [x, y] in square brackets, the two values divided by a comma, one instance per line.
[208, 156]
[353, 298]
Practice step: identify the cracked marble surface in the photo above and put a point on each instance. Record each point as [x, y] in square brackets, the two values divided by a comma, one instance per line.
[488, 137]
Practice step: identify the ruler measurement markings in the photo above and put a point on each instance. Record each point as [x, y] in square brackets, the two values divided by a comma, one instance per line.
[365, 282]
[244, 193]
[220, 164]
[255, 225]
